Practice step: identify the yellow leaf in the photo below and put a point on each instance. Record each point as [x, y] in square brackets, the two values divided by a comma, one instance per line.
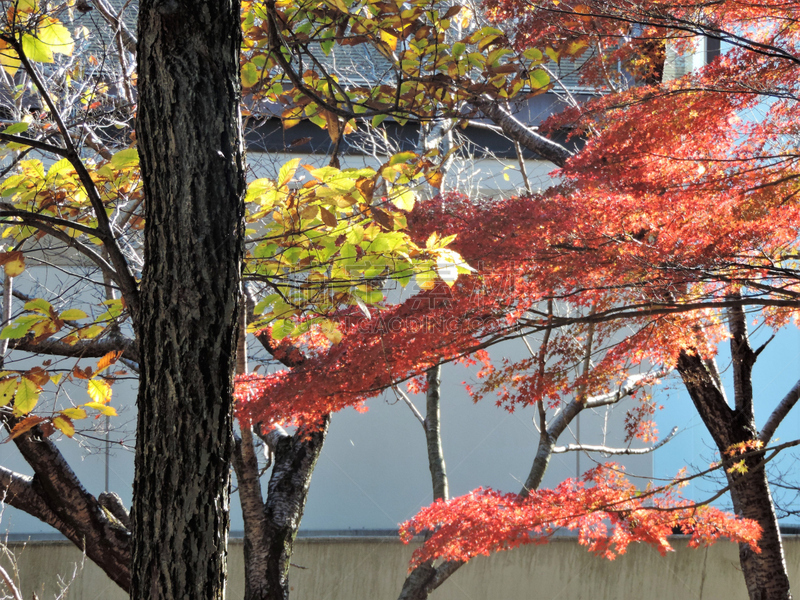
[404, 200]
[14, 262]
[106, 410]
[74, 413]
[64, 425]
[55, 35]
[9, 59]
[99, 390]
[389, 39]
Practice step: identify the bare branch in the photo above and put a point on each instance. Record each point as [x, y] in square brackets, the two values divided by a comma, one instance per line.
[524, 135]
[113, 19]
[82, 349]
[631, 385]
[780, 412]
[404, 397]
[615, 451]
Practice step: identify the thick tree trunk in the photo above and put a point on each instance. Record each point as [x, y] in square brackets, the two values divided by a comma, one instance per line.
[190, 148]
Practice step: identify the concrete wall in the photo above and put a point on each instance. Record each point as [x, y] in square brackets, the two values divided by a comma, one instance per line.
[374, 568]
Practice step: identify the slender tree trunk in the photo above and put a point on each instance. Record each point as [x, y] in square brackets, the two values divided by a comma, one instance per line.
[765, 573]
[190, 148]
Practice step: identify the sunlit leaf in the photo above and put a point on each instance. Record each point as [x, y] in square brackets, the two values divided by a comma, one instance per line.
[27, 396]
[64, 425]
[99, 390]
[36, 50]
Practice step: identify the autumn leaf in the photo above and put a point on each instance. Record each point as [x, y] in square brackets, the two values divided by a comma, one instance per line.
[64, 424]
[99, 391]
[24, 425]
[13, 262]
[26, 397]
[108, 359]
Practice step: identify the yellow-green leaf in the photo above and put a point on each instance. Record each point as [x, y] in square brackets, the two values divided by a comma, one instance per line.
[27, 396]
[109, 411]
[125, 158]
[249, 74]
[72, 314]
[36, 49]
[39, 305]
[7, 389]
[404, 199]
[64, 425]
[74, 413]
[99, 390]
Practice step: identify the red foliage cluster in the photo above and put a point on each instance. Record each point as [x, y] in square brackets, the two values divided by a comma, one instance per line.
[606, 510]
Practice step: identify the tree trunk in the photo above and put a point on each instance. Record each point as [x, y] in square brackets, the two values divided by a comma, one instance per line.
[295, 459]
[764, 573]
[190, 148]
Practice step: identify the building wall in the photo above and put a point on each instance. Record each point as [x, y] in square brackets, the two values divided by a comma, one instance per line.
[374, 568]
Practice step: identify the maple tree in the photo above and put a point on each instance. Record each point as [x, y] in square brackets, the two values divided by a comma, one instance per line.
[677, 215]
[323, 245]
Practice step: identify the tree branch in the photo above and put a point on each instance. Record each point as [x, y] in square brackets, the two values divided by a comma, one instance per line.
[82, 349]
[779, 413]
[523, 134]
[614, 451]
[113, 19]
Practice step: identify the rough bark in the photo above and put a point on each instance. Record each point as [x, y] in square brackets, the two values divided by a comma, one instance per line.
[55, 496]
[190, 149]
[764, 573]
[287, 492]
[522, 134]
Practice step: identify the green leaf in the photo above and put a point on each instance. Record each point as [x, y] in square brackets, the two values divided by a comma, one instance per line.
[249, 74]
[16, 127]
[125, 158]
[72, 314]
[282, 328]
[27, 396]
[36, 50]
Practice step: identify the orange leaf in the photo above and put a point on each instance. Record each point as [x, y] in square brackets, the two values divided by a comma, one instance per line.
[26, 424]
[108, 360]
